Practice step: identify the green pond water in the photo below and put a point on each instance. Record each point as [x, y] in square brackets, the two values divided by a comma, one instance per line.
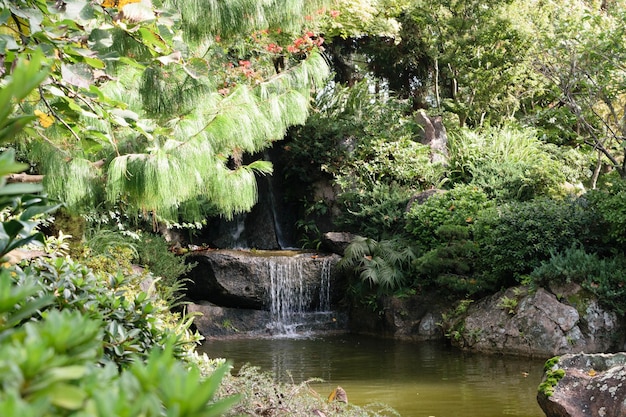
[416, 379]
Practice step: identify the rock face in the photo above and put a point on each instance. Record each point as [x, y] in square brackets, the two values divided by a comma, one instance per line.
[535, 324]
[414, 318]
[249, 291]
[222, 322]
[242, 279]
[337, 242]
[583, 385]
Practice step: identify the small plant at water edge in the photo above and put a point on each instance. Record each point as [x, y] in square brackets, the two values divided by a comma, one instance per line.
[553, 374]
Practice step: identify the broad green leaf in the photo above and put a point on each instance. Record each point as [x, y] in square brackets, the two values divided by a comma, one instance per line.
[8, 42]
[20, 189]
[69, 397]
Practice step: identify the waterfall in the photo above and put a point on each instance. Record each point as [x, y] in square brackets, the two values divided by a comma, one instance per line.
[291, 296]
[324, 304]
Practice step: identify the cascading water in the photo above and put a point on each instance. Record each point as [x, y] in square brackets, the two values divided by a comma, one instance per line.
[291, 298]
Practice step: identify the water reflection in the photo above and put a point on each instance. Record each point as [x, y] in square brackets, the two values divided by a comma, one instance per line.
[417, 379]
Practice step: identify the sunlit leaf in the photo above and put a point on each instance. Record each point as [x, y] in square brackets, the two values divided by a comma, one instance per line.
[77, 74]
[45, 120]
[117, 3]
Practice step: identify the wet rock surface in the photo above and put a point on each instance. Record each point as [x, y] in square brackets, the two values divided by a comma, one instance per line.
[242, 279]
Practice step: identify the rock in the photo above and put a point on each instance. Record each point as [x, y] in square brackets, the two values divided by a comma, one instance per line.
[413, 317]
[336, 242]
[516, 321]
[242, 279]
[420, 198]
[584, 385]
[214, 321]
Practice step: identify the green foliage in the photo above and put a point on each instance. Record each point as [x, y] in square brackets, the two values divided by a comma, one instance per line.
[581, 54]
[364, 144]
[450, 266]
[515, 238]
[602, 277]
[73, 343]
[470, 58]
[139, 113]
[508, 163]
[53, 371]
[377, 213]
[132, 323]
[610, 206]
[153, 253]
[18, 211]
[261, 395]
[508, 304]
[552, 375]
[383, 265]
[457, 207]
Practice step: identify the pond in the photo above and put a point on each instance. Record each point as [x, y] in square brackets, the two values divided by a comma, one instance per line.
[416, 379]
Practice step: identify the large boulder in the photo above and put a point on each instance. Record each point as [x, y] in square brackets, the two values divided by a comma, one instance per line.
[243, 279]
[337, 242]
[536, 323]
[584, 385]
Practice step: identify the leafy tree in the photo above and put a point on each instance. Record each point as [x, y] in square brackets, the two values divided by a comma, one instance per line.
[151, 105]
[582, 55]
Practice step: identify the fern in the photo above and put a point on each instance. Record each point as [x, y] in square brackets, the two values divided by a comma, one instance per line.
[385, 265]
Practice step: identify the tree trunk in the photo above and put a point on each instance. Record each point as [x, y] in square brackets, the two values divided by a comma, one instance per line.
[434, 135]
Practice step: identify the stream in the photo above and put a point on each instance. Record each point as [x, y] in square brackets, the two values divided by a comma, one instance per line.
[416, 379]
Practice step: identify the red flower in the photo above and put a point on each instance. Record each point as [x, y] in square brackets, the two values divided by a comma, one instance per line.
[334, 14]
[273, 48]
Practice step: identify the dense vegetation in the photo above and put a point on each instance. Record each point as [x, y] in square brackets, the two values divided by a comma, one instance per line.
[532, 98]
[139, 115]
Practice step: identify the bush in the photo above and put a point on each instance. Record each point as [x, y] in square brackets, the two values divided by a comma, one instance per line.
[52, 365]
[458, 207]
[603, 277]
[450, 267]
[153, 253]
[508, 163]
[376, 213]
[515, 238]
[610, 206]
[132, 323]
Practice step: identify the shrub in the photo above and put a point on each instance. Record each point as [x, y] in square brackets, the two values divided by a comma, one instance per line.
[153, 253]
[132, 323]
[610, 205]
[603, 277]
[459, 207]
[450, 267]
[376, 213]
[515, 238]
[508, 163]
[384, 265]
